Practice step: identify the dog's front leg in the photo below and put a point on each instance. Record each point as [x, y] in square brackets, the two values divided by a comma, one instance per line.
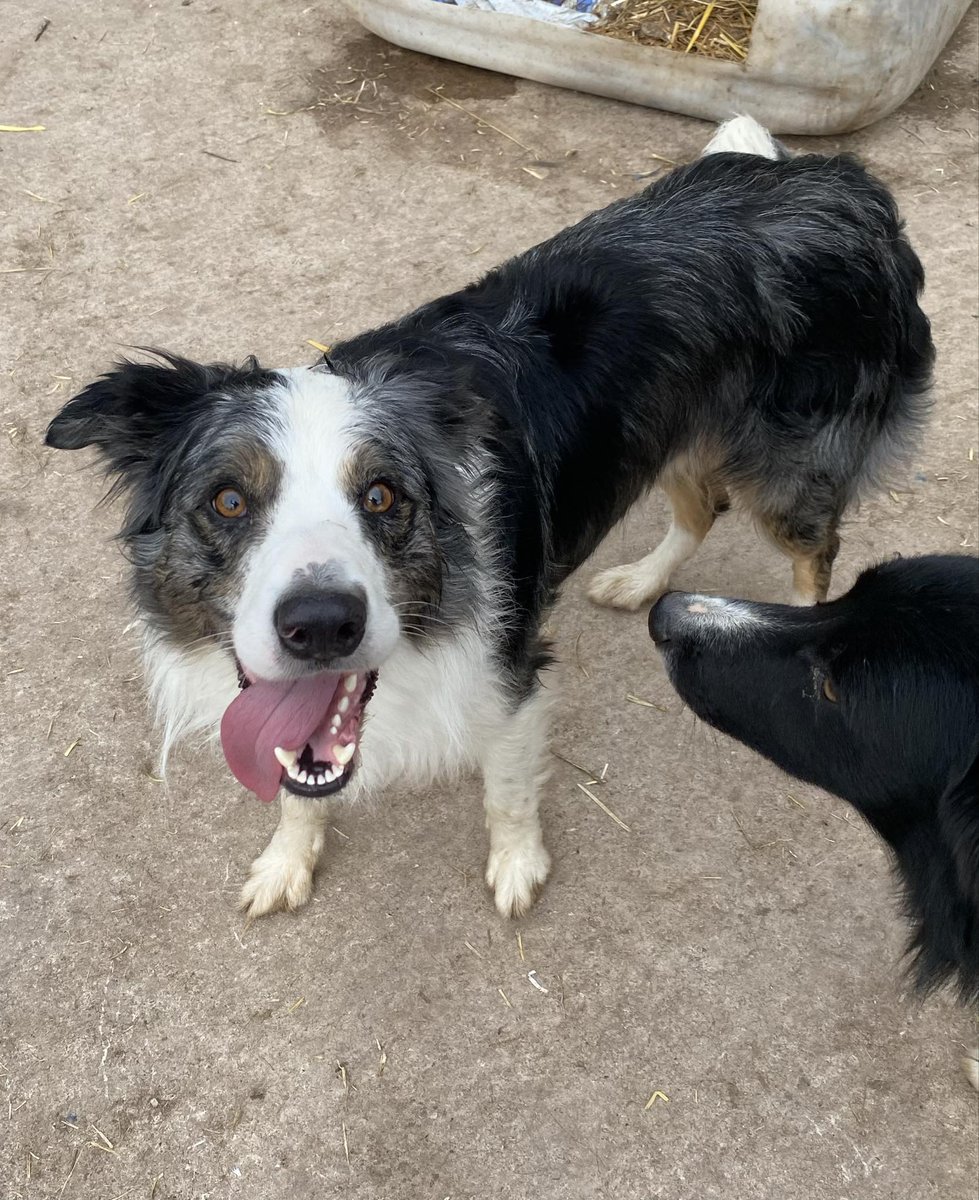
[282, 875]
[516, 764]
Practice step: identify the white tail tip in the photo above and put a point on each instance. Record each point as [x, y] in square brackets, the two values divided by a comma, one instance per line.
[744, 135]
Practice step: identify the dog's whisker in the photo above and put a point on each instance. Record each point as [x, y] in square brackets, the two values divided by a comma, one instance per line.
[210, 639]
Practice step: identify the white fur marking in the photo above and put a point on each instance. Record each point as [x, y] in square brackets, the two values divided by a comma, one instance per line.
[635, 584]
[188, 689]
[724, 615]
[282, 875]
[743, 135]
[314, 522]
[515, 768]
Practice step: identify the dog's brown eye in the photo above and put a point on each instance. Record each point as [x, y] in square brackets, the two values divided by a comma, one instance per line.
[378, 498]
[229, 502]
[829, 691]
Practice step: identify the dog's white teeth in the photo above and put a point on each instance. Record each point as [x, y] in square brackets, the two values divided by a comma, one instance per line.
[287, 758]
[343, 754]
[320, 780]
[332, 773]
[302, 777]
[350, 683]
[293, 771]
[343, 705]
[335, 725]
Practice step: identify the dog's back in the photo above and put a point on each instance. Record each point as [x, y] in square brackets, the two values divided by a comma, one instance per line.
[746, 327]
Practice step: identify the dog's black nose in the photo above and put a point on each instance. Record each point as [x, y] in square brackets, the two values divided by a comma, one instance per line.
[663, 616]
[320, 626]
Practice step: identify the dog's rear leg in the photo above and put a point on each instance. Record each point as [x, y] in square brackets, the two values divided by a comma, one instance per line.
[812, 547]
[812, 572]
[516, 764]
[282, 875]
[695, 505]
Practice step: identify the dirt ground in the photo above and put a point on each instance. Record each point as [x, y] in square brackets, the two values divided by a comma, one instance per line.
[724, 1014]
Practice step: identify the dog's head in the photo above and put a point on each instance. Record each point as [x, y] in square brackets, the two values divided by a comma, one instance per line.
[874, 696]
[306, 519]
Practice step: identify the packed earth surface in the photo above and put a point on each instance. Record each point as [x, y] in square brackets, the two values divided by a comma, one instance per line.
[708, 1000]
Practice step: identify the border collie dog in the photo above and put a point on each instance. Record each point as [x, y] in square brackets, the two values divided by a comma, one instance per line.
[393, 523]
[874, 697]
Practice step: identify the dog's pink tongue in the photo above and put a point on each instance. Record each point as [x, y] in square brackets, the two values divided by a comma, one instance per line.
[266, 715]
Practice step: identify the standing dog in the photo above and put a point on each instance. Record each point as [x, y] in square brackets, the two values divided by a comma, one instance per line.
[874, 697]
[403, 514]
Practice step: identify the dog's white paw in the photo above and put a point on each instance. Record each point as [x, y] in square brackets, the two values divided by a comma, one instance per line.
[516, 874]
[970, 1064]
[280, 877]
[631, 587]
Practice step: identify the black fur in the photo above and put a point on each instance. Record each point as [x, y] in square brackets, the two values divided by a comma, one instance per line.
[901, 740]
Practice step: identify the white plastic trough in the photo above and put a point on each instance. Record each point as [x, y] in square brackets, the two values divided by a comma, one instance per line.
[813, 67]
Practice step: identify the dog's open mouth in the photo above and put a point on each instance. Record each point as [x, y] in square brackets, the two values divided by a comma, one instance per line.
[299, 734]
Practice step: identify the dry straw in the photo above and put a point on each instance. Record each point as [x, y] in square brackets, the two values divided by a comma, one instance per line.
[711, 28]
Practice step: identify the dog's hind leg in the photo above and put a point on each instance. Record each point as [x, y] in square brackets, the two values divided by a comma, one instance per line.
[282, 875]
[695, 504]
[812, 572]
[516, 764]
[812, 546]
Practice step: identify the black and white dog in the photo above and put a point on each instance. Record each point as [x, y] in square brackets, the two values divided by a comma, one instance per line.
[875, 697]
[403, 513]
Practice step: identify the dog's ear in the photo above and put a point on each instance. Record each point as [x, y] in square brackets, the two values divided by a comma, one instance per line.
[129, 410]
[456, 406]
[434, 378]
[958, 815]
[143, 417]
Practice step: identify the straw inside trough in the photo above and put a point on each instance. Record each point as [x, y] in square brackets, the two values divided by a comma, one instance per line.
[711, 28]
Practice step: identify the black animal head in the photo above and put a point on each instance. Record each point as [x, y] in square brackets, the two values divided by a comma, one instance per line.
[875, 697]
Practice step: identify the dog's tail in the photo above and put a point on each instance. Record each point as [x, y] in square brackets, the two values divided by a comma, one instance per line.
[743, 135]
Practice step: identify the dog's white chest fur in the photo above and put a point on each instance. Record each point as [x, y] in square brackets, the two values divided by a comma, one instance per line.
[429, 713]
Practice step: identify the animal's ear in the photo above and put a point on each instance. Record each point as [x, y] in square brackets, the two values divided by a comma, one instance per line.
[958, 814]
[142, 418]
[127, 411]
[441, 381]
[447, 385]
[458, 406]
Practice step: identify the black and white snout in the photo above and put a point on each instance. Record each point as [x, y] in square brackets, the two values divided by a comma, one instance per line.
[691, 618]
[317, 625]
